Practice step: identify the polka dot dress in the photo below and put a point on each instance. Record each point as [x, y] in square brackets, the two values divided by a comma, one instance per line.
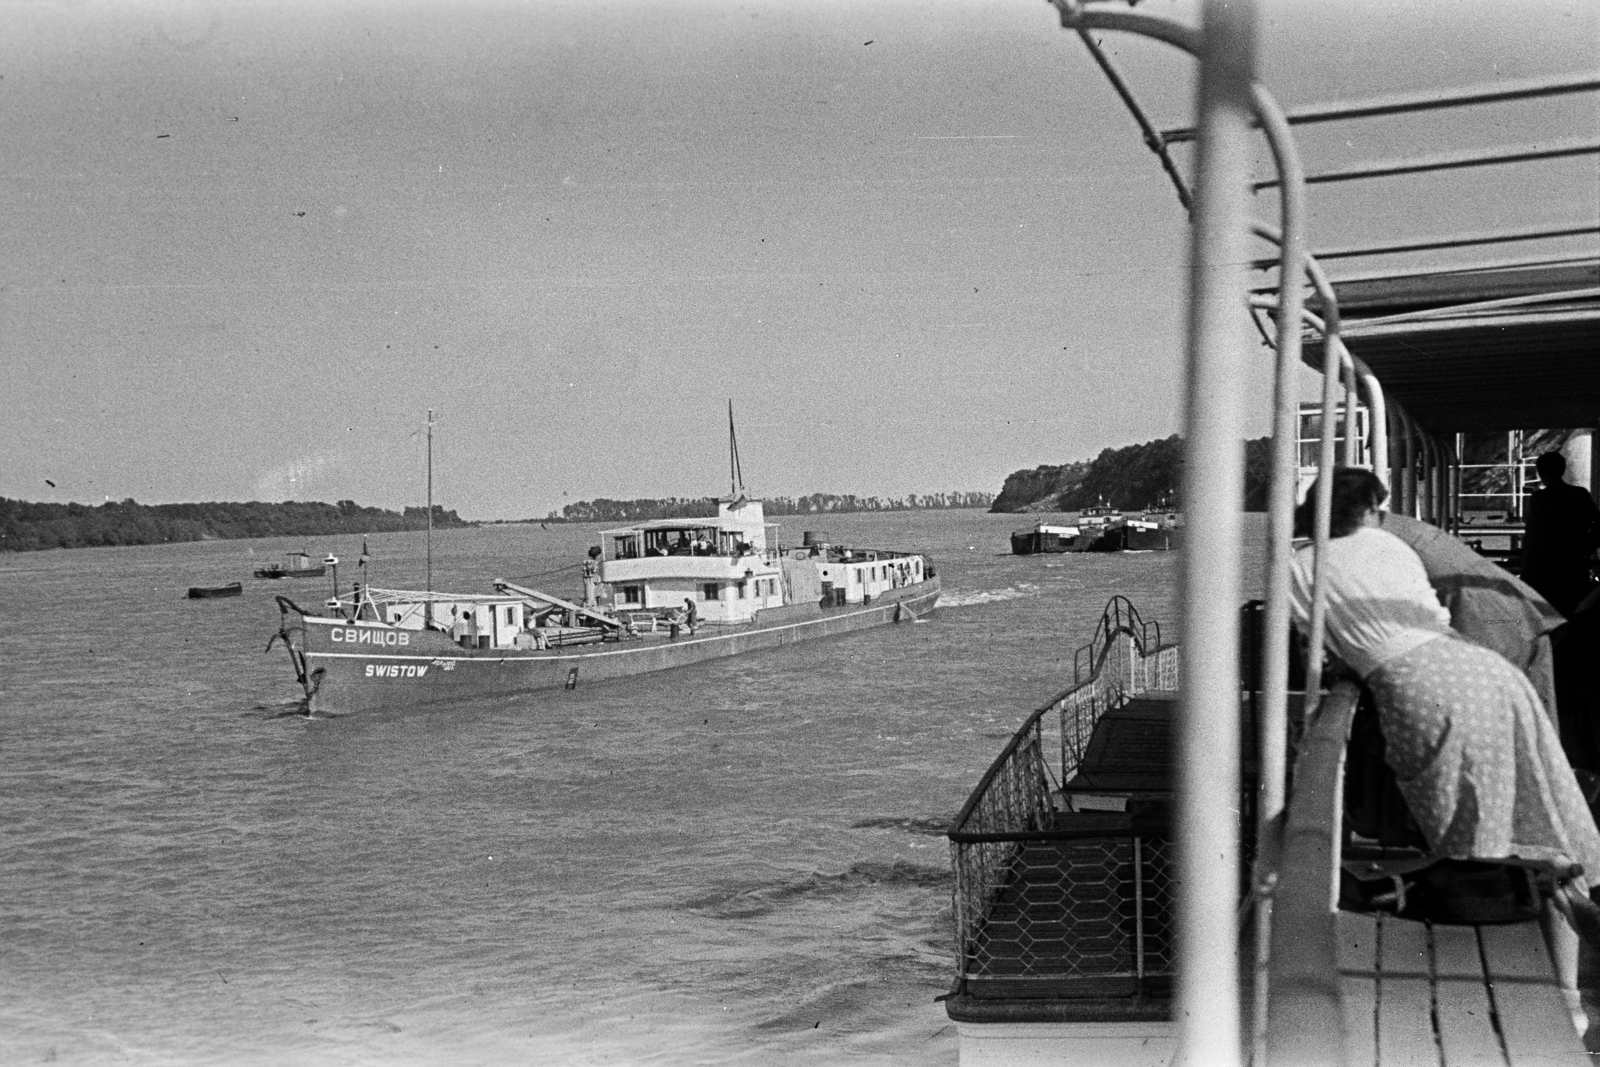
[1477, 759]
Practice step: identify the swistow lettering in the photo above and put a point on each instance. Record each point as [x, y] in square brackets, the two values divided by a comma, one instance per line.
[396, 670]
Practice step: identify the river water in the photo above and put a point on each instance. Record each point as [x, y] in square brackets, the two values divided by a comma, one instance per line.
[739, 862]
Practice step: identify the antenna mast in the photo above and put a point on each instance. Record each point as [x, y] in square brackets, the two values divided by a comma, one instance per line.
[735, 474]
[429, 607]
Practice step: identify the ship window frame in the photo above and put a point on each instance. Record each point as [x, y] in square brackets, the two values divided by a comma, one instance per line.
[633, 594]
[710, 591]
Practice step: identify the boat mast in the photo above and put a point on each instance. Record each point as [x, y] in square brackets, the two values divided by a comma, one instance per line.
[735, 474]
[428, 608]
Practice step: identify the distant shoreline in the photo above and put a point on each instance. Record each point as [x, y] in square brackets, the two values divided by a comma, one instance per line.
[31, 527]
[36, 527]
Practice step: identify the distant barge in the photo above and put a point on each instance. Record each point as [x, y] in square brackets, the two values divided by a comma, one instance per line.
[299, 565]
[204, 592]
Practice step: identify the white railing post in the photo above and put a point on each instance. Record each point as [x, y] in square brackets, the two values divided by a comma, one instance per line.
[1207, 1009]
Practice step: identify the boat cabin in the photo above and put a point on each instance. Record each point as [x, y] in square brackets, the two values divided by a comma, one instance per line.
[726, 565]
[1098, 515]
[853, 576]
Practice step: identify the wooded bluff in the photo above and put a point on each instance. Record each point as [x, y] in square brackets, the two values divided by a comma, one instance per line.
[1138, 476]
[26, 526]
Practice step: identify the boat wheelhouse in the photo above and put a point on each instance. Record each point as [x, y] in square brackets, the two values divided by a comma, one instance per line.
[1099, 514]
[732, 568]
[724, 565]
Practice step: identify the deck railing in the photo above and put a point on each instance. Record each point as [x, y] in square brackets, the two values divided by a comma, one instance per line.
[1037, 903]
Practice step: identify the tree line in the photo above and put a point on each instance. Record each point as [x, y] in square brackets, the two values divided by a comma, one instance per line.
[26, 526]
[1138, 476]
[628, 511]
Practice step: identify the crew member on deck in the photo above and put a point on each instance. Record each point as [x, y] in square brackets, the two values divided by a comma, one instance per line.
[1563, 532]
[690, 614]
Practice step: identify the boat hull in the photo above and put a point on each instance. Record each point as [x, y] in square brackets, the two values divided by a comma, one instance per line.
[1033, 542]
[201, 592]
[349, 667]
[1137, 539]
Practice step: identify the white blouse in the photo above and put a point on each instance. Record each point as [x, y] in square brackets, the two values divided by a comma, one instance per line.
[1380, 604]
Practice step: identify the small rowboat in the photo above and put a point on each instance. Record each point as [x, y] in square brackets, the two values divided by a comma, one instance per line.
[202, 592]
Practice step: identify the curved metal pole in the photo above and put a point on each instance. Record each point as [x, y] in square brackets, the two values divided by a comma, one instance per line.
[1350, 419]
[1377, 422]
[1207, 1009]
[1443, 477]
[1378, 406]
[1332, 359]
[1285, 463]
[1430, 479]
[1455, 485]
[1273, 754]
[1397, 432]
[1408, 476]
[1437, 488]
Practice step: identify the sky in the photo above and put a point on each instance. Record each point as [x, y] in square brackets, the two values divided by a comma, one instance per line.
[245, 246]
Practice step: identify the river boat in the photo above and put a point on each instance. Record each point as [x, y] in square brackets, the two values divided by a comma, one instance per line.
[295, 565]
[1086, 529]
[1046, 537]
[1153, 861]
[1139, 535]
[658, 595]
[212, 592]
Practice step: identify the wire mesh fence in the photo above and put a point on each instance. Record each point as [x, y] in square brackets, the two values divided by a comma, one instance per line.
[1045, 900]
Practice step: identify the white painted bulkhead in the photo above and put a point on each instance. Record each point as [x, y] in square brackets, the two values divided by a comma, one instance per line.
[869, 577]
[1142, 1044]
[724, 565]
[499, 619]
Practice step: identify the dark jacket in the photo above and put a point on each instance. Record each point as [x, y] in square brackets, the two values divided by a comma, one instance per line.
[1563, 531]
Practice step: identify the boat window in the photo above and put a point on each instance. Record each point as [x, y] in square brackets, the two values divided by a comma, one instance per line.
[633, 594]
[709, 590]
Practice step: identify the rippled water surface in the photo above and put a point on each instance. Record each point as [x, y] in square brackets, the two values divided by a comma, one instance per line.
[737, 862]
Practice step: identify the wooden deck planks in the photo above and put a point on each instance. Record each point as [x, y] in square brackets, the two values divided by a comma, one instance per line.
[1534, 1018]
[1357, 955]
[1451, 996]
[1467, 1036]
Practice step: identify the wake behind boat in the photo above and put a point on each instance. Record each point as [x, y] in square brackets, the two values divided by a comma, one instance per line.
[657, 595]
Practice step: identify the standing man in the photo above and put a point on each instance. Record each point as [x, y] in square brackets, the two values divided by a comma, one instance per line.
[1563, 532]
[689, 615]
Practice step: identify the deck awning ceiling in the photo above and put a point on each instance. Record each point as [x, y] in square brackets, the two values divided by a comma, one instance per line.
[1480, 351]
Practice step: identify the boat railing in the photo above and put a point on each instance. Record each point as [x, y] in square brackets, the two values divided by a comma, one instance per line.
[1007, 846]
[1304, 1021]
[1119, 616]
